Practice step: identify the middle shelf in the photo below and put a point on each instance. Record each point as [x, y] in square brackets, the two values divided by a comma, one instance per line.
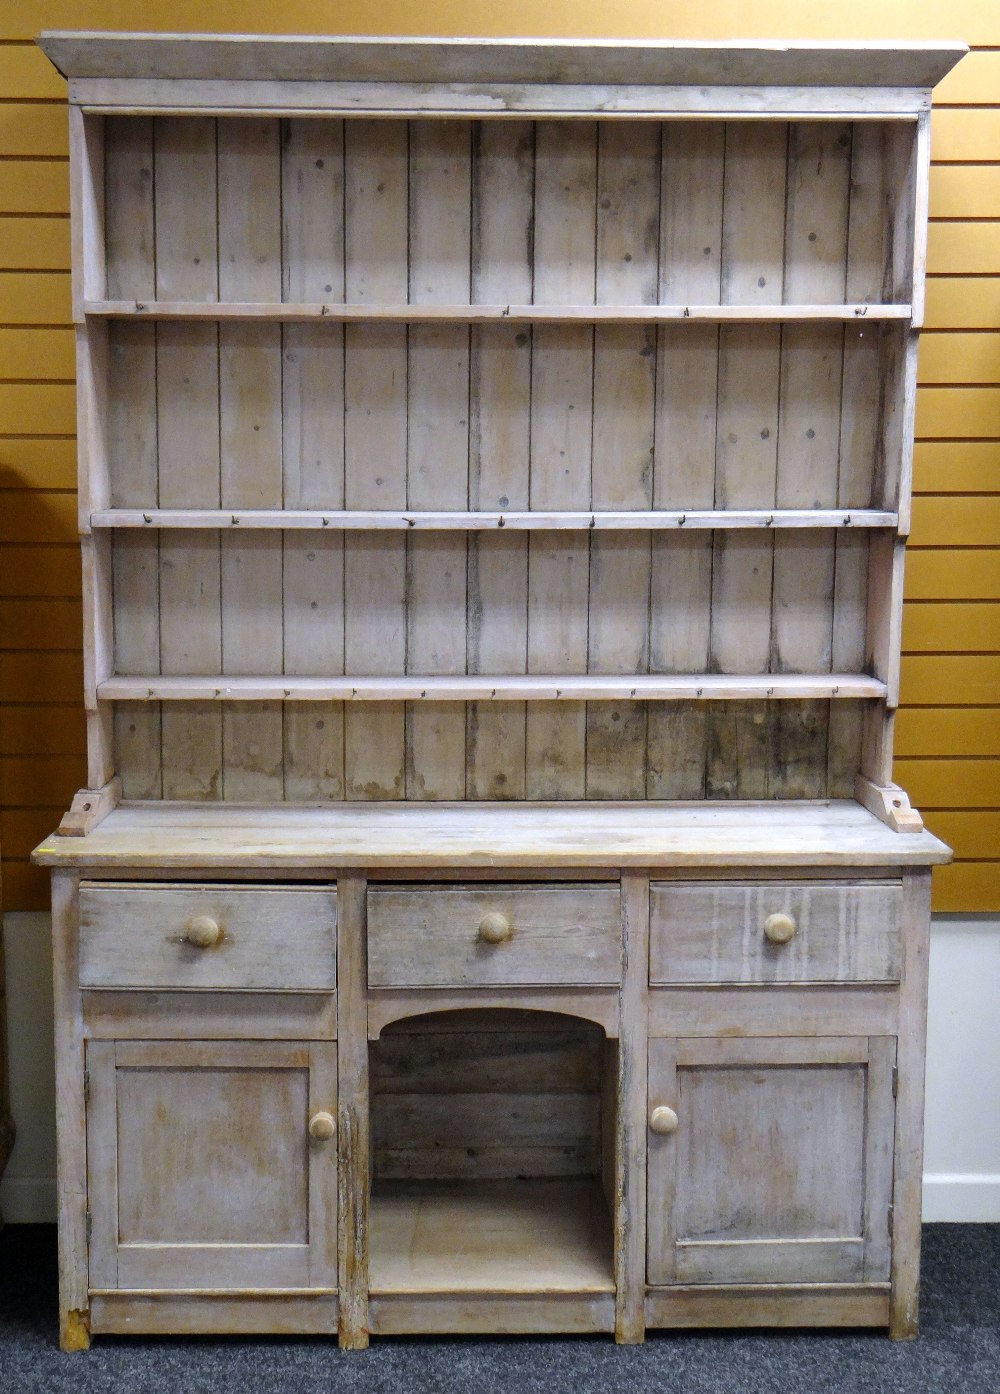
[493, 686]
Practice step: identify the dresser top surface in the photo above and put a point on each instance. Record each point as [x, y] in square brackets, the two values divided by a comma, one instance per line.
[482, 835]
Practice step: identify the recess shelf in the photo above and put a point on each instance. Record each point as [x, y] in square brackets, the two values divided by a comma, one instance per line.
[501, 687]
[292, 312]
[516, 520]
[492, 1236]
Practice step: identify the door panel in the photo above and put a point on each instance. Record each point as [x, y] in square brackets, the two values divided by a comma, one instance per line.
[202, 1172]
[779, 1169]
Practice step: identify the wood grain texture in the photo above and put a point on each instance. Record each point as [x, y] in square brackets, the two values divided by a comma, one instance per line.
[796, 1217]
[716, 933]
[176, 1175]
[427, 937]
[136, 937]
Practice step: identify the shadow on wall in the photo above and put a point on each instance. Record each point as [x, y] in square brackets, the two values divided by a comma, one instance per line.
[42, 724]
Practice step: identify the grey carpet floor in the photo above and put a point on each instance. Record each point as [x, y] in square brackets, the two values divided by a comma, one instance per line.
[958, 1350]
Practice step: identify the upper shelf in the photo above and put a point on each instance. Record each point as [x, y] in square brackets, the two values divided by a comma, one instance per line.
[515, 520]
[290, 312]
[636, 62]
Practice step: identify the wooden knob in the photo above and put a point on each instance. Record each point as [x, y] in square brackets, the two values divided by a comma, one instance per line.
[322, 1126]
[663, 1119]
[203, 931]
[494, 928]
[779, 928]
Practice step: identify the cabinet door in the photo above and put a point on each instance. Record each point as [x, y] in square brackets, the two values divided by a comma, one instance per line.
[201, 1168]
[779, 1169]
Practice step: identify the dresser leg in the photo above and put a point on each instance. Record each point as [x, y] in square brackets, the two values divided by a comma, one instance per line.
[352, 1146]
[74, 1329]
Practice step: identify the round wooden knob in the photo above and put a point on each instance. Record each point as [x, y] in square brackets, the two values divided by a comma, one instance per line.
[779, 928]
[203, 931]
[663, 1119]
[494, 928]
[322, 1126]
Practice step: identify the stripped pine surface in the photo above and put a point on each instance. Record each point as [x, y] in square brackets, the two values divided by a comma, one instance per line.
[385, 417]
[486, 1095]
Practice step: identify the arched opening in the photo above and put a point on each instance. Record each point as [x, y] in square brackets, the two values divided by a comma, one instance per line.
[492, 1153]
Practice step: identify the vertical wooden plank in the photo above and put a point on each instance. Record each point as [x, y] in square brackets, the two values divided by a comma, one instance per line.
[503, 165]
[438, 448]
[313, 642]
[312, 255]
[102, 1162]
[684, 468]
[879, 1134]
[191, 642]
[906, 150]
[132, 442]
[324, 1176]
[128, 201]
[132, 446]
[861, 406]
[630, 1159]
[252, 744]
[352, 1110]
[187, 371]
[250, 446]
[909, 1147]
[561, 441]
[132, 464]
[661, 1164]
[314, 751]
[137, 749]
[136, 568]
[920, 196]
[312, 445]
[867, 243]
[746, 438]
[87, 229]
[376, 232]
[89, 280]
[71, 1130]
[628, 211]
[816, 244]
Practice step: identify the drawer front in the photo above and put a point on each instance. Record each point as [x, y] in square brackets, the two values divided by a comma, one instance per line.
[497, 935]
[767, 932]
[143, 936]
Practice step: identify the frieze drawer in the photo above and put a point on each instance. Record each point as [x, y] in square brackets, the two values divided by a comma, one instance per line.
[494, 935]
[208, 936]
[764, 932]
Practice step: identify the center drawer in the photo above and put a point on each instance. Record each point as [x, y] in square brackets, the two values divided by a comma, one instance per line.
[494, 935]
[208, 936]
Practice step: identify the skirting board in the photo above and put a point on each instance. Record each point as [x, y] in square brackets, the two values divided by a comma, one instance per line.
[969, 1199]
[959, 1184]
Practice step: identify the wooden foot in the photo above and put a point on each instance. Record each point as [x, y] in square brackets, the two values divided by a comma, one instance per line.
[903, 1323]
[90, 807]
[889, 803]
[74, 1331]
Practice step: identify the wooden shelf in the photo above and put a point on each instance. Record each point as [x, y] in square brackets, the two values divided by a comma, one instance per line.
[515, 521]
[492, 1236]
[501, 687]
[292, 312]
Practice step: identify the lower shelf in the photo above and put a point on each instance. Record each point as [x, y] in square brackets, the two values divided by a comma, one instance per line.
[529, 1236]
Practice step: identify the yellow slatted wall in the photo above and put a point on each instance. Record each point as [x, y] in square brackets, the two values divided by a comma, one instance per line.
[949, 732]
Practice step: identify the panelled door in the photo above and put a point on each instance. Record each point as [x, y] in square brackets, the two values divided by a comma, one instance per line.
[212, 1164]
[770, 1160]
